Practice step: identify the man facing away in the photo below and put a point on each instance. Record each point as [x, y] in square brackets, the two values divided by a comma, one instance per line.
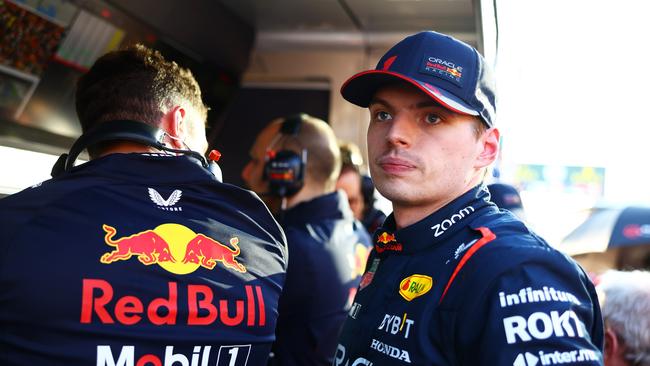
[452, 280]
[327, 246]
[138, 257]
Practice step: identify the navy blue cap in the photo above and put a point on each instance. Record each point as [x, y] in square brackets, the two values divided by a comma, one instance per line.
[448, 70]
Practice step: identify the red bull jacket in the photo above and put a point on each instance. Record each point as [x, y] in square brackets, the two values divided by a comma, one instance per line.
[470, 285]
[328, 250]
[138, 259]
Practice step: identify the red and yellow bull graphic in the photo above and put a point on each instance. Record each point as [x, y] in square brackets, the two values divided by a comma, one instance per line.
[414, 286]
[174, 247]
[99, 302]
[386, 241]
[385, 238]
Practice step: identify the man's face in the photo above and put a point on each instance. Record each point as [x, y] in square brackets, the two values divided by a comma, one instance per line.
[253, 172]
[350, 182]
[421, 155]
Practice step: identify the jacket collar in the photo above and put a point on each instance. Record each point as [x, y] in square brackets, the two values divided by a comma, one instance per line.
[433, 229]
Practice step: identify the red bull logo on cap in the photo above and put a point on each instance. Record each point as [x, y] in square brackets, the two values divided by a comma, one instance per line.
[174, 247]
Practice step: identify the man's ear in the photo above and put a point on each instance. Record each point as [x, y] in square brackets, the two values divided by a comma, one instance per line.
[489, 147]
[613, 348]
[175, 126]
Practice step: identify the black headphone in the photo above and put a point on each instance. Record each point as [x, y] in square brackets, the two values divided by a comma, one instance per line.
[129, 130]
[285, 169]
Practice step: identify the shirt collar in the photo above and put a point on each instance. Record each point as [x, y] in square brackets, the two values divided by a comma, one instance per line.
[146, 167]
[328, 206]
[433, 229]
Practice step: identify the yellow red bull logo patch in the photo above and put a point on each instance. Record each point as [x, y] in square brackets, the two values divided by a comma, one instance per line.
[414, 286]
[175, 248]
[387, 241]
[385, 238]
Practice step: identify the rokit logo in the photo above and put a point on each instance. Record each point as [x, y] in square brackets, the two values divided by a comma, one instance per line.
[395, 324]
[555, 358]
[236, 355]
[540, 325]
[440, 228]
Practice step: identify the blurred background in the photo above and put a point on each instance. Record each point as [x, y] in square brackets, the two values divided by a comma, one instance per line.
[571, 85]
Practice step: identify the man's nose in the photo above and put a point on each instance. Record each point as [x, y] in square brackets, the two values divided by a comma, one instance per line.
[401, 131]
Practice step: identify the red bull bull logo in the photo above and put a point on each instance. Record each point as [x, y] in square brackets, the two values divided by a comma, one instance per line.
[386, 241]
[173, 247]
[385, 238]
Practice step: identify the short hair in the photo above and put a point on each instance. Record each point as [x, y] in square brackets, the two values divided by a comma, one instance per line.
[626, 309]
[323, 155]
[135, 83]
[350, 155]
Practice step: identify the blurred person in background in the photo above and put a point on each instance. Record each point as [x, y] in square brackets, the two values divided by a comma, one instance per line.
[297, 160]
[625, 301]
[372, 216]
[507, 197]
[349, 180]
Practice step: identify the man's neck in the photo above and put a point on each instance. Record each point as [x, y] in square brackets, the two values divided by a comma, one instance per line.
[307, 193]
[125, 147]
[406, 215]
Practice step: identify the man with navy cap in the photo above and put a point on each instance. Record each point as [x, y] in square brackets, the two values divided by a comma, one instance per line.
[452, 280]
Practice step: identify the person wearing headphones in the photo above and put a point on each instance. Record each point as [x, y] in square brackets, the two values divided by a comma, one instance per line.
[140, 256]
[297, 160]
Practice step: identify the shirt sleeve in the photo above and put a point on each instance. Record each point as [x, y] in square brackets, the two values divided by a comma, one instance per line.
[538, 312]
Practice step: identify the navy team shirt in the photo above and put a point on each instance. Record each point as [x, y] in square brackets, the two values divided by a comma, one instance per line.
[328, 249]
[138, 259]
[470, 285]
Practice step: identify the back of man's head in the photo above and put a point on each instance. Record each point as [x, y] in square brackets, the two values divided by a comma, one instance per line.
[626, 311]
[135, 83]
[323, 155]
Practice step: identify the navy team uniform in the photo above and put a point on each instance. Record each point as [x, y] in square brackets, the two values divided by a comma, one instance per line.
[470, 285]
[138, 259]
[328, 250]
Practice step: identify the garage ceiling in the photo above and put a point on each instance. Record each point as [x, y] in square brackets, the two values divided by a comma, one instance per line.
[283, 24]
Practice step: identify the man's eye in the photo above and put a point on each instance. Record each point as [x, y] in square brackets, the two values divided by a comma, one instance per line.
[383, 116]
[432, 119]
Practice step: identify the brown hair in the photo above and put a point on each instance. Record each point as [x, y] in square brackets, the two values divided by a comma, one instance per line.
[135, 83]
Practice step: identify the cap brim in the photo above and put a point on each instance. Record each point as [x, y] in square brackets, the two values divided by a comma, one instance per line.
[360, 88]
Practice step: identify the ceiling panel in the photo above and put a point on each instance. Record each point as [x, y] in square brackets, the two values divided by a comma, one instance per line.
[278, 15]
[343, 16]
[414, 15]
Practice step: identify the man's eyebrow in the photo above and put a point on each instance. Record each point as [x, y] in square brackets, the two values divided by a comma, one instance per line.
[375, 100]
